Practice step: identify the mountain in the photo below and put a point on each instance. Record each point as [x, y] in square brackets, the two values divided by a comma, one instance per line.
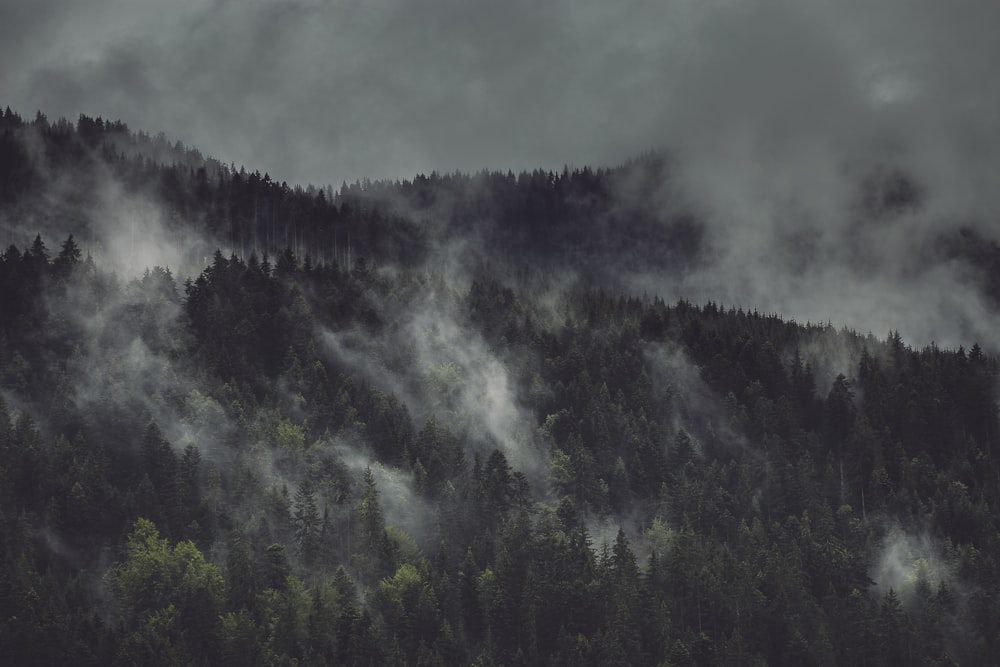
[448, 421]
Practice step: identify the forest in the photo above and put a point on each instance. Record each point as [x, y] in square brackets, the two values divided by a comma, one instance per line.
[380, 426]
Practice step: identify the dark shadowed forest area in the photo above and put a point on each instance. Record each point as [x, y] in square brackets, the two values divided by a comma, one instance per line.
[443, 421]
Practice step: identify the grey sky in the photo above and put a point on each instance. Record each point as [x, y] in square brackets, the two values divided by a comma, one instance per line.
[776, 108]
[322, 91]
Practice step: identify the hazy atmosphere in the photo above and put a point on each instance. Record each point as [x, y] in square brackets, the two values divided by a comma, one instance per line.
[439, 332]
[776, 114]
[322, 92]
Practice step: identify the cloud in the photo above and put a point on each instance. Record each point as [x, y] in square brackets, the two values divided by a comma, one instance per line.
[475, 389]
[402, 506]
[130, 367]
[324, 91]
[319, 91]
[783, 115]
[133, 233]
[906, 559]
[695, 407]
[438, 364]
[775, 112]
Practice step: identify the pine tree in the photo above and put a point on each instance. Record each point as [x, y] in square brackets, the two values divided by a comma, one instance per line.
[307, 521]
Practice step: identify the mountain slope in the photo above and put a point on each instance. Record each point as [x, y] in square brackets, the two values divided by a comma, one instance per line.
[450, 452]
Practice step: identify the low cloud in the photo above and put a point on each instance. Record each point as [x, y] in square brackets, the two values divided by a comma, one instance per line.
[697, 409]
[775, 114]
[401, 505]
[439, 365]
[907, 561]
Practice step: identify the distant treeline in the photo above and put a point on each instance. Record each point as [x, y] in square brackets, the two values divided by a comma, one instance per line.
[585, 219]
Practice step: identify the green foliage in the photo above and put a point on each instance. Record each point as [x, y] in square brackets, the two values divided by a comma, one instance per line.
[750, 471]
[170, 597]
[409, 608]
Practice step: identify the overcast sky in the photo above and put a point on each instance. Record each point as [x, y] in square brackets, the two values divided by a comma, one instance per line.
[777, 110]
[326, 90]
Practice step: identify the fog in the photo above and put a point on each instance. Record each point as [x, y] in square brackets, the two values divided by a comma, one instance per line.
[440, 366]
[777, 114]
[906, 558]
[332, 90]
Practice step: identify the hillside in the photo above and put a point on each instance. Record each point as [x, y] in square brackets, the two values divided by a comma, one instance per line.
[446, 421]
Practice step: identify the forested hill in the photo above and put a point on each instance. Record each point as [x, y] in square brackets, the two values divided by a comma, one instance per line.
[299, 456]
[133, 201]
[119, 190]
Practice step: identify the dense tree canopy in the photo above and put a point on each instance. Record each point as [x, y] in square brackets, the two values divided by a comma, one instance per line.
[299, 458]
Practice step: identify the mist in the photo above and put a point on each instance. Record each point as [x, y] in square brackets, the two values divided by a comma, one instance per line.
[905, 559]
[483, 320]
[387, 90]
[437, 362]
[778, 116]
